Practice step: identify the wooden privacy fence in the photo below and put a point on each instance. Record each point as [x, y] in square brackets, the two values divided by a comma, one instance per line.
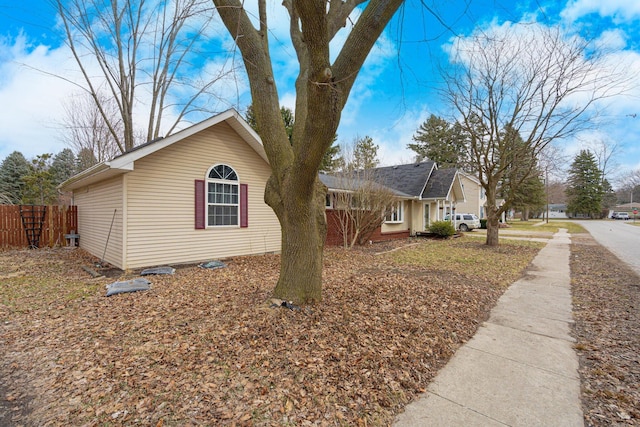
[51, 228]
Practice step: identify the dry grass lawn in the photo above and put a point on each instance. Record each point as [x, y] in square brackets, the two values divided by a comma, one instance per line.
[204, 347]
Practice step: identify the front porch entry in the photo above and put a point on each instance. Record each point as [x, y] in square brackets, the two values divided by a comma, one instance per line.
[427, 216]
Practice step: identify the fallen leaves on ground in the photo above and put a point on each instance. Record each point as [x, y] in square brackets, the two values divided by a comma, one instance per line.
[606, 298]
[205, 347]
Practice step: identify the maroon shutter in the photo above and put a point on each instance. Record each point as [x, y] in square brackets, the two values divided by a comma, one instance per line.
[199, 203]
[244, 208]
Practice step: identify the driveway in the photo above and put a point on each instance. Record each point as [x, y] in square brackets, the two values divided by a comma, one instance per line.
[620, 237]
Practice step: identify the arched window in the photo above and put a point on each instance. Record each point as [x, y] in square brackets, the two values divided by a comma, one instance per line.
[223, 196]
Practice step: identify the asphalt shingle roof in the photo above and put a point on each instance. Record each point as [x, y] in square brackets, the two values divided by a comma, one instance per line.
[439, 184]
[408, 179]
[349, 183]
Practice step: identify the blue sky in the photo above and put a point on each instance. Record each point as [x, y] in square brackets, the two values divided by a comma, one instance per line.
[395, 92]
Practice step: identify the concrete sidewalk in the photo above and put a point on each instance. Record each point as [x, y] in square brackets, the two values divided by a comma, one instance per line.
[520, 368]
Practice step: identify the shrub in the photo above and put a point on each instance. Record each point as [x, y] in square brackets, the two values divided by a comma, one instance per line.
[483, 223]
[442, 229]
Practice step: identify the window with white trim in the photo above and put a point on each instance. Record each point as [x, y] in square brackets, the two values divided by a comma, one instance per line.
[328, 201]
[223, 201]
[396, 214]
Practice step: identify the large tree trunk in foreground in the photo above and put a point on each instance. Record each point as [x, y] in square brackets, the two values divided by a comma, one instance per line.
[322, 89]
[304, 230]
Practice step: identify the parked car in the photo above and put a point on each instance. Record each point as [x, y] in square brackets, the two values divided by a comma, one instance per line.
[465, 221]
[620, 215]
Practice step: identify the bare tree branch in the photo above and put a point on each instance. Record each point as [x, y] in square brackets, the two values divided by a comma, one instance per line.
[536, 81]
[140, 48]
[293, 190]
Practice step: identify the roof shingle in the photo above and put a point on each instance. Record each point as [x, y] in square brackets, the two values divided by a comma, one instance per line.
[409, 179]
[439, 184]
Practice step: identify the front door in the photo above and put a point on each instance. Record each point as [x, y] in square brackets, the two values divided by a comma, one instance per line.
[427, 215]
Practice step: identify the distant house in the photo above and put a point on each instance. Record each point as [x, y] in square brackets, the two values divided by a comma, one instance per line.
[193, 196]
[556, 210]
[628, 207]
[474, 196]
[425, 194]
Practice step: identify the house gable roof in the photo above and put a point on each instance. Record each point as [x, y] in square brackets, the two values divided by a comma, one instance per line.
[422, 181]
[125, 162]
[409, 179]
[439, 184]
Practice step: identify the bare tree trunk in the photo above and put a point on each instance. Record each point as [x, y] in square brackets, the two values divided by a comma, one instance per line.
[493, 225]
[134, 44]
[493, 215]
[322, 88]
[304, 229]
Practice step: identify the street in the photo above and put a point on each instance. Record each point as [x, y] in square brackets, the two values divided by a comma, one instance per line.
[620, 237]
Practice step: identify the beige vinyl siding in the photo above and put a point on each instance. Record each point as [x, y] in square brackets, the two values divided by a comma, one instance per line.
[96, 205]
[417, 216]
[160, 199]
[472, 192]
[400, 226]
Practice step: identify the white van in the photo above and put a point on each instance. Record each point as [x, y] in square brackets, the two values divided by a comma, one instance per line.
[464, 221]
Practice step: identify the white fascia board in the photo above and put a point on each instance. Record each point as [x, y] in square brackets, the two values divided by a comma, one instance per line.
[126, 162]
[434, 166]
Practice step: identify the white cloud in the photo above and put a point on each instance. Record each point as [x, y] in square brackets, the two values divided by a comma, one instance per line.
[391, 139]
[288, 100]
[31, 99]
[364, 89]
[611, 40]
[619, 10]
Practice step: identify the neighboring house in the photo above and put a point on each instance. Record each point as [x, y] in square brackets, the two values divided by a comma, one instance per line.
[556, 210]
[193, 196]
[425, 194]
[627, 207]
[474, 196]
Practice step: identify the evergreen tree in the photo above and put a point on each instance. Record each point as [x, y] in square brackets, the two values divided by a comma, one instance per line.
[521, 185]
[13, 168]
[364, 155]
[85, 159]
[584, 189]
[39, 188]
[287, 118]
[440, 141]
[63, 166]
[530, 197]
[332, 160]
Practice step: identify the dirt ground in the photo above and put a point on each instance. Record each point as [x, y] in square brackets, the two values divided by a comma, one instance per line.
[207, 347]
[606, 300]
